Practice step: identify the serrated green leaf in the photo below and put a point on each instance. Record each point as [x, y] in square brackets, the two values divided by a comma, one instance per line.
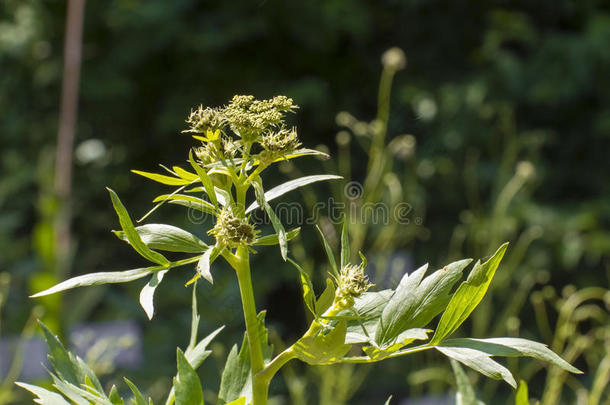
[289, 186]
[236, 380]
[75, 394]
[45, 397]
[132, 235]
[167, 237]
[59, 357]
[522, 397]
[199, 352]
[160, 178]
[329, 252]
[78, 395]
[323, 348]
[325, 300]
[138, 398]
[513, 347]
[148, 292]
[109, 277]
[186, 383]
[480, 362]
[71, 369]
[205, 179]
[308, 293]
[269, 240]
[468, 295]
[195, 354]
[416, 302]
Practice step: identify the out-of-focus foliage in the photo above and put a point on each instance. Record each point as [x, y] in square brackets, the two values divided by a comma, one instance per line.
[488, 85]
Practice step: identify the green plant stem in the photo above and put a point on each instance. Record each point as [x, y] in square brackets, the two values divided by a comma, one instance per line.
[366, 359]
[260, 386]
[276, 364]
[284, 357]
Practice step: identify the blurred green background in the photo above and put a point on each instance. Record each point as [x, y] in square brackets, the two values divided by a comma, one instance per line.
[507, 108]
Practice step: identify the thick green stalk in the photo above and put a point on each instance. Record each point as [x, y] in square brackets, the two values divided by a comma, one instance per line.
[259, 385]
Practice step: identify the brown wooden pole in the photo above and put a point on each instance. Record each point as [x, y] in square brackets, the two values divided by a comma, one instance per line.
[67, 127]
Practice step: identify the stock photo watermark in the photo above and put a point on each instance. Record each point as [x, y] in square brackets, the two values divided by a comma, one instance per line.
[357, 210]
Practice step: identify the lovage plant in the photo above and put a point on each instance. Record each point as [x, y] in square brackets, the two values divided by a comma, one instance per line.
[351, 323]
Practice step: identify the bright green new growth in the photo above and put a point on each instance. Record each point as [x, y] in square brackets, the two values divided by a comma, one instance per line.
[351, 324]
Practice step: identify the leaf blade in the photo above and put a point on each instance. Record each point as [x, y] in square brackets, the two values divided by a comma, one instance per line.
[205, 179]
[148, 292]
[187, 384]
[160, 178]
[513, 347]
[480, 362]
[132, 235]
[468, 295]
[109, 277]
[167, 237]
[291, 185]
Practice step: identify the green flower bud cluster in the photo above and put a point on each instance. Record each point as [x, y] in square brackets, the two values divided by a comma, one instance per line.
[280, 142]
[352, 282]
[210, 152]
[251, 121]
[249, 117]
[231, 230]
[206, 119]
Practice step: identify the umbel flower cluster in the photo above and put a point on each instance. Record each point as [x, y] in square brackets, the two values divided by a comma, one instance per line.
[352, 283]
[253, 122]
[231, 230]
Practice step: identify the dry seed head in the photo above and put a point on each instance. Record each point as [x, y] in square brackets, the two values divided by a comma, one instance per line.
[231, 230]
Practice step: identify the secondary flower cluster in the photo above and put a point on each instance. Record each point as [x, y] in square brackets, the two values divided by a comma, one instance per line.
[352, 283]
[231, 230]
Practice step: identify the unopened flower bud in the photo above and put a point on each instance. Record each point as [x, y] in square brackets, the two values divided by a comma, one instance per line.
[526, 170]
[351, 284]
[394, 59]
[206, 119]
[345, 119]
[280, 142]
[343, 138]
[231, 230]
